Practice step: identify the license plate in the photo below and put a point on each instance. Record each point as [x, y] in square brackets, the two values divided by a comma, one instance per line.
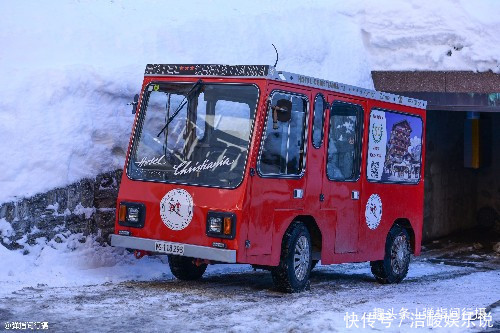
[170, 248]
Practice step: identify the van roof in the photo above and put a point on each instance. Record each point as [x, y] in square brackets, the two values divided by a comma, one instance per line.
[270, 72]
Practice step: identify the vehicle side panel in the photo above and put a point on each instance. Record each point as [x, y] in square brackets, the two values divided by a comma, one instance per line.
[399, 201]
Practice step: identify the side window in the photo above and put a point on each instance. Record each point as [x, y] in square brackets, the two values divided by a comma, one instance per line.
[283, 149]
[344, 142]
[318, 118]
[394, 147]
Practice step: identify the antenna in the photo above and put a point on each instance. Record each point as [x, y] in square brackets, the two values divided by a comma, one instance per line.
[276, 55]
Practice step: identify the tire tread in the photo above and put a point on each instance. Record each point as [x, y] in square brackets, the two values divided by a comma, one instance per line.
[283, 281]
[381, 269]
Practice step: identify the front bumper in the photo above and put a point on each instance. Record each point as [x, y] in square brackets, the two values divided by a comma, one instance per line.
[193, 251]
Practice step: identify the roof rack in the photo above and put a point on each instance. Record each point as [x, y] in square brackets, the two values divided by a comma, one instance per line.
[269, 72]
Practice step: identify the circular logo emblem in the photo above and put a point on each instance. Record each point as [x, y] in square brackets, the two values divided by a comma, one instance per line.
[373, 211]
[176, 209]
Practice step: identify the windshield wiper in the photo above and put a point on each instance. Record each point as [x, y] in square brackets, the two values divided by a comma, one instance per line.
[195, 88]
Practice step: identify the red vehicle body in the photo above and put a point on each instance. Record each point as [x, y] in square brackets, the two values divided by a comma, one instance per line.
[334, 171]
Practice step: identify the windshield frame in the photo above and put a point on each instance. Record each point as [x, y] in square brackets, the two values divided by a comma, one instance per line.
[137, 130]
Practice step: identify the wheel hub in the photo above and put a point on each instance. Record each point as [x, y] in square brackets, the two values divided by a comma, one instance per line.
[400, 254]
[301, 258]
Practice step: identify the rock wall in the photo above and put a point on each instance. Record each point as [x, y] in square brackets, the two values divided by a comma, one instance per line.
[87, 207]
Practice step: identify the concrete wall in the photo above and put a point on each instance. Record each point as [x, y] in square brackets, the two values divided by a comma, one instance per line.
[488, 180]
[436, 81]
[459, 198]
[450, 189]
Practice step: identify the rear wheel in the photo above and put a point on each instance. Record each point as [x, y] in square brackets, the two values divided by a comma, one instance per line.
[292, 273]
[184, 268]
[394, 267]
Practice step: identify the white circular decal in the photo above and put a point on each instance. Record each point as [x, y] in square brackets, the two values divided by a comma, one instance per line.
[373, 211]
[176, 209]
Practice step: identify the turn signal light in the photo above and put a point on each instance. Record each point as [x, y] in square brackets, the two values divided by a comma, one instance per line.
[227, 225]
[131, 214]
[122, 213]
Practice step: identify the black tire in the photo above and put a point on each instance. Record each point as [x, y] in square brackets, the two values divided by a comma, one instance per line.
[314, 263]
[394, 267]
[184, 268]
[292, 274]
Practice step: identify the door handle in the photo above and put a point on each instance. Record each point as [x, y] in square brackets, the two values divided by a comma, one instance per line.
[355, 195]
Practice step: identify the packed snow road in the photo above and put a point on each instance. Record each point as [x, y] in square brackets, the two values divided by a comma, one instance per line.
[441, 293]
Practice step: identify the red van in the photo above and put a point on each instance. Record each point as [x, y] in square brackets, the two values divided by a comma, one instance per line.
[247, 164]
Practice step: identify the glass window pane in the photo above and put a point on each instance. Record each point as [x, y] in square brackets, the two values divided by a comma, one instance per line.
[283, 142]
[394, 147]
[317, 131]
[344, 144]
[201, 113]
[232, 118]
[161, 106]
[198, 146]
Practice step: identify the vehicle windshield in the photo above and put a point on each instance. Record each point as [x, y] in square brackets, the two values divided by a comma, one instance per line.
[206, 141]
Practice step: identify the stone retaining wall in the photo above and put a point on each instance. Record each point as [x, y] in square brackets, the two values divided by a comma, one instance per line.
[87, 207]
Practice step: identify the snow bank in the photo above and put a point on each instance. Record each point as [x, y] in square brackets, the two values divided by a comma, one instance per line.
[433, 35]
[67, 69]
[6, 230]
[76, 260]
[73, 261]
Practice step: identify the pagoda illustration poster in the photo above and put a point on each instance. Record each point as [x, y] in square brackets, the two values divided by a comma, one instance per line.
[394, 147]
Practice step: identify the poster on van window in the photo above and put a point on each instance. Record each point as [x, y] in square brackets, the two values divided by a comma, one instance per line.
[394, 147]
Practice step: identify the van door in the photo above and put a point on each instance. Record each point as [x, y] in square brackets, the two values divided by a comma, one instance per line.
[341, 185]
[277, 189]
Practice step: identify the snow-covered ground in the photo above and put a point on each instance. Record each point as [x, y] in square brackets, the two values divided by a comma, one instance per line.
[68, 68]
[77, 285]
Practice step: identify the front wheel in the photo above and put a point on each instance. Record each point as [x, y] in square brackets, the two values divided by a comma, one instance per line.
[184, 268]
[394, 267]
[292, 273]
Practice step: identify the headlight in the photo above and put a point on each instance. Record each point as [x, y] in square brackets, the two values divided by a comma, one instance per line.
[221, 224]
[131, 214]
[215, 224]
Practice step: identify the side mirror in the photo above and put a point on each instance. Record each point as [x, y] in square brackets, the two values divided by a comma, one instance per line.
[282, 112]
[134, 103]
